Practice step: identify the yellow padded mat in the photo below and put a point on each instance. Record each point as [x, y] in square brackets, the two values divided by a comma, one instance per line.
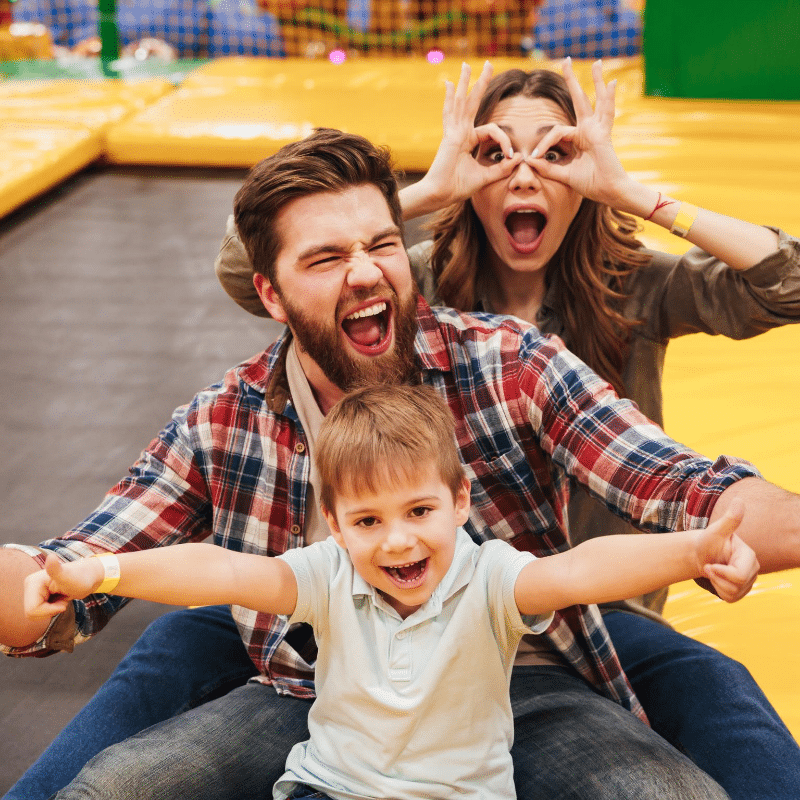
[39, 155]
[95, 104]
[50, 129]
[237, 111]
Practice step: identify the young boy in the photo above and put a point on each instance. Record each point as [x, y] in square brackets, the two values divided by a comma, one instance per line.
[416, 625]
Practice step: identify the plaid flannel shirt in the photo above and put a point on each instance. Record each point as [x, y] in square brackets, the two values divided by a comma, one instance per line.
[234, 463]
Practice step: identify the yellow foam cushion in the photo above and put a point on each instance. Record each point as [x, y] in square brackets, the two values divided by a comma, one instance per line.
[761, 631]
[738, 398]
[39, 155]
[95, 104]
[234, 112]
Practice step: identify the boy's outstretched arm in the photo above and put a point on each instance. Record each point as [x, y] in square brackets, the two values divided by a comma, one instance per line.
[615, 567]
[187, 574]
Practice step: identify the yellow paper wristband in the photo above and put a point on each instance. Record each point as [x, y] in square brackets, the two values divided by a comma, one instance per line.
[687, 214]
[110, 573]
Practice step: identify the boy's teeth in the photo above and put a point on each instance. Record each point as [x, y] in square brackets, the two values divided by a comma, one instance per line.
[407, 572]
[370, 311]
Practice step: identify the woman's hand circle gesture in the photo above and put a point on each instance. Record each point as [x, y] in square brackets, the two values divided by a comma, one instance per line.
[588, 163]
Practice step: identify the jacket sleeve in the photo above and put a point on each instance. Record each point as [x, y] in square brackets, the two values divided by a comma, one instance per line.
[697, 293]
[419, 258]
[235, 272]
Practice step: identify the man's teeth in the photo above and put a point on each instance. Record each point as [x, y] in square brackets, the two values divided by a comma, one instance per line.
[369, 311]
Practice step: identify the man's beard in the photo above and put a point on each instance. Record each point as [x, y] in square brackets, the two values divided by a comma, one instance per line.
[323, 344]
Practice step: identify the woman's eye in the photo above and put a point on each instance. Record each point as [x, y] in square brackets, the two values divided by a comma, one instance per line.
[553, 156]
[494, 156]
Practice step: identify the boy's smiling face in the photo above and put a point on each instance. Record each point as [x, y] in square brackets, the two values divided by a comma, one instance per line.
[401, 538]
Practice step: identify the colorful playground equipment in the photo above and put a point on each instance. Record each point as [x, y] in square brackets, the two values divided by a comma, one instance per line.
[213, 28]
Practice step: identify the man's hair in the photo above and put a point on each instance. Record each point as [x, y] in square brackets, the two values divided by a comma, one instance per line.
[327, 161]
[379, 435]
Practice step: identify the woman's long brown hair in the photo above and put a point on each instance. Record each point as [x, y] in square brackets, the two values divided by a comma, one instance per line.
[598, 252]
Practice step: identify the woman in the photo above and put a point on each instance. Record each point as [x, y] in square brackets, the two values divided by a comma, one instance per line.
[537, 219]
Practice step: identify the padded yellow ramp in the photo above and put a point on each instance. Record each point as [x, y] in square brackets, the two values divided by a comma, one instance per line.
[94, 104]
[39, 155]
[761, 631]
[50, 129]
[234, 112]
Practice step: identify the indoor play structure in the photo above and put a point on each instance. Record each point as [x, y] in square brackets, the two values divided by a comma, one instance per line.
[709, 114]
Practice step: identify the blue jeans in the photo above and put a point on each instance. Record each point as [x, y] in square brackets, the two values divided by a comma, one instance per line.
[304, 791]
[169, 671]
[182, 660]
[709, 707]
[570, 743]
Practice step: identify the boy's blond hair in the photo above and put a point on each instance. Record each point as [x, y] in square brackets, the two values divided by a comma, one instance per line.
[379, 435]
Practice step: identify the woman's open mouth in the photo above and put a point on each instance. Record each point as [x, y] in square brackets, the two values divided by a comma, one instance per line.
[407, 576]
[369, 329]
[525, 227]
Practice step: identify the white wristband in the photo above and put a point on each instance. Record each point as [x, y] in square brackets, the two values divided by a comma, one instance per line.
[110, 573]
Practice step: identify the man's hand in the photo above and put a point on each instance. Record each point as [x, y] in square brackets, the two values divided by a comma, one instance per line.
[48, 591]
[724, 559]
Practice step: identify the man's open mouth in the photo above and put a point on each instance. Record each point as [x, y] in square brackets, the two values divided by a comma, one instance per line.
[525, 227]
[407, 574]
[369, 328]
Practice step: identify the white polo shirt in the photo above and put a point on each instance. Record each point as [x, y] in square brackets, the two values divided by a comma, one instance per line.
[414, 708]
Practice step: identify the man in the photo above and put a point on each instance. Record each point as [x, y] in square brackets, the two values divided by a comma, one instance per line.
[321, 224]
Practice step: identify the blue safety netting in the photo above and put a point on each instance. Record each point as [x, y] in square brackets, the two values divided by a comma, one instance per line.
[588, 29]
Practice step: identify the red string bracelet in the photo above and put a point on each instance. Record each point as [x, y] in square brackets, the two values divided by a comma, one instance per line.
[659, 204]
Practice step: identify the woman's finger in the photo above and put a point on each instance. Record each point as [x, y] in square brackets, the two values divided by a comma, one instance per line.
[449, 102]
[604, 96]
[556, 134]
[493, 132]
[473, 99]
[580, 100]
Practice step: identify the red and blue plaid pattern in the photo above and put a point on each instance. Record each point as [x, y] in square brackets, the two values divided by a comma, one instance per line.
[530, 417]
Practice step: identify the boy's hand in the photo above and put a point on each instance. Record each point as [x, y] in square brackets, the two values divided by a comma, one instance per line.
[48, 591]
[725, 560]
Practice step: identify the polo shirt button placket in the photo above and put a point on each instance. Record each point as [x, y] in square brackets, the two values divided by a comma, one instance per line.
[400, 657]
